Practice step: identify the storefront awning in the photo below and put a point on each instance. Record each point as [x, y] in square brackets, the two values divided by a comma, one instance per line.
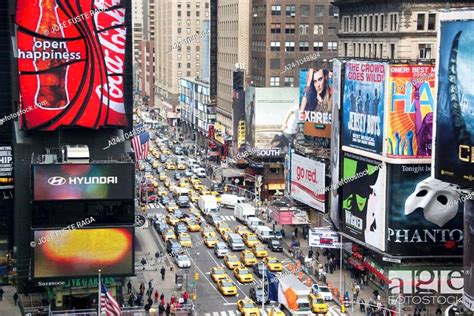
[356, 263]
[276, 186]
[379, 274]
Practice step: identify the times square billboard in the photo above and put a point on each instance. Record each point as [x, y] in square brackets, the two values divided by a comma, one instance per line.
[72, 64]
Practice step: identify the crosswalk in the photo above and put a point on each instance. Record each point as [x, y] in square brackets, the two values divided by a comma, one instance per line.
[228, 218]
[331, 312]
[155, 205]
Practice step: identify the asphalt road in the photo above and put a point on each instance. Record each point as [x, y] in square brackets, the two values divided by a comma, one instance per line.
[209, 300]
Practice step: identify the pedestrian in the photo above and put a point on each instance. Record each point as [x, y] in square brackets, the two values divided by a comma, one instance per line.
[147, 309]
[157, 256]
[168, 309]
[282, 231]
[150, 301]
[163, 271]
[438, 311]
[156, 296]
[185, 297]
[296, 232]
[149, 292]
[361, 282]
[142, 288]
[375, 293]
[317, 255]
[131, 299]
[172, 309]
[1, 294]
[161, 310]
[310, 253]
[362, 305]
[143, 261]
[15, 297]
[173, 299]
[129, 287]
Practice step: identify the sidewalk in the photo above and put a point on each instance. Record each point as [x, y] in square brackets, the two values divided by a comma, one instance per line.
[7, 305]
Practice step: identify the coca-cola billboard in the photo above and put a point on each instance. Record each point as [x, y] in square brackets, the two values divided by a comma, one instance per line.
[71, 61]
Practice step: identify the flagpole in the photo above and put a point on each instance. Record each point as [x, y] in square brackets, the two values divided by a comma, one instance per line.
[99, 293]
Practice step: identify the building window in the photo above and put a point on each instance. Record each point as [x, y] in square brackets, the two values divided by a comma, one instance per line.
[290, 10]
[393, 22]
[289, 46]
[198, 13]
[381, 22]
[304, 29]
[304, 46]
[318, 10]
[179, 65]
[179, 56]
[198, 56]
[318, 46]
[359, 50]
[179, 30]
[188, 5]
[360, 24]
[345, 24]
[318, 29]
[188, 30]
[188, 22]
[304, 10]
[276, 28]
[392, 51]
[179, 5]
[420, 22]
[290, 29]
[381, 50]
[289, 82]
[431, 21]
[207, 13]
[331, 30]
[188, 13]
[275, 63]
[188, 56]
[275, 46]
[425, 51]
[332, 45]
[370, 23]
[179, 13]
[365, 24]
[354, 27]
[376, 23]
[188, 65]
[274, 81]
[354, 49]
[276, 9]
[179, 22]
[345, 49]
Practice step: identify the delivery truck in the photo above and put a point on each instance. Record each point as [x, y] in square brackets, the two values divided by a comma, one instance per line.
[295, 300]
[244, 210]
[230, 200]
[207, 204]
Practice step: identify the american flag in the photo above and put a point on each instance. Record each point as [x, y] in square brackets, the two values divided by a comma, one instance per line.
[140, 145]
[108, 303]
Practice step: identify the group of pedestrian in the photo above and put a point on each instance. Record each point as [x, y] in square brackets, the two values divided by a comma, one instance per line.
[173, 305]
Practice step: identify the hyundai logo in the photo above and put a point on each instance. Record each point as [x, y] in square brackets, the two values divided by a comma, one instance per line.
[56, 181]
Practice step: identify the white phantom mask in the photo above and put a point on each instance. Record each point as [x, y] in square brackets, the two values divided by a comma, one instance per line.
[438, 200]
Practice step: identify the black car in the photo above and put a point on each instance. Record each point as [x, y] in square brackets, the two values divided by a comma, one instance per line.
[258, 269]
[213, 219]
[217, 187]
[173, 246]
[275, 245]
[180, 228]
[161, 227]
[257, 294]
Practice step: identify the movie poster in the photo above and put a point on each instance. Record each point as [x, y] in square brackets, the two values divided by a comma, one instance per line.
[410, 111]
[425, 214]
[454, 136]
[363, 105]
[468, 298]
[71, 63]
[334, 196]
[363, 199]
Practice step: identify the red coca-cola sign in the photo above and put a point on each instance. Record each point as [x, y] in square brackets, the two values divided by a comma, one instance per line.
[71, 62]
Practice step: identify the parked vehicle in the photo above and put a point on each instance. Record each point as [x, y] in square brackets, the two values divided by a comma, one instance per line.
[230, 200]
[264, 233]
[297, 304]
[275, 245]
[253, 223]
[207, 204]
[244, 210]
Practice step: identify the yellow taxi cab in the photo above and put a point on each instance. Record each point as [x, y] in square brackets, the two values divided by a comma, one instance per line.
[275, 311]
[231, 261]
[141, 166]
[204, 191]
[169, 234]
[194, 180]
[247, 307]
[250, 239]
[317, 303]
[185, 240]
[193, 226]
[210, 241]
[171, 206]
[183, 183]
[197, 186]
[170, 166]
[156, 153]
[218, 273]
[166, 151]
[243, 275]
[224, 231]
[167, 182]
[194, 197]
[226, 234]
[207, 231]
[217, 195]
[222, 225]
[259, 250]
[227, 287]
[162, 191]
[242, 230]
[248, 258]
[273, 264]
[162, 176]
[171, 220]
[155, 164]
[181, 166]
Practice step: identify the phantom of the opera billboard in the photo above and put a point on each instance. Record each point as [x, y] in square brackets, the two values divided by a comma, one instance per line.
[71, 63]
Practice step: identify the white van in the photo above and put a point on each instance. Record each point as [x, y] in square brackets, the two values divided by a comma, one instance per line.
[229, 200]
[253, 223]
[264, 233]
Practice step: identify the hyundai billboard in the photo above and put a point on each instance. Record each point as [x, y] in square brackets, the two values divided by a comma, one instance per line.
[71, 63]
[83, 182]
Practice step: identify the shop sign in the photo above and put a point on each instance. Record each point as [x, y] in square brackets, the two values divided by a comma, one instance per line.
[79, 282]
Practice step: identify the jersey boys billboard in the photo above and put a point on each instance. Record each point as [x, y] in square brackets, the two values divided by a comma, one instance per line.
[410, 111]
[71, 62]
[454, 138]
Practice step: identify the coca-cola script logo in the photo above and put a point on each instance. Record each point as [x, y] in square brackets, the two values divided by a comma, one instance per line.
[76, 71]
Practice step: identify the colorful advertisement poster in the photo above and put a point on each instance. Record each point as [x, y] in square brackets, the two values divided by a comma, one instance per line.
[307, 182]
[363, 199]
[454, 141]
[410, 111]
[265, 131]
[335, 144]
[468, 297]
[238, 123]
[71, 63]
[316, 102]
[323, 238]
[81, 252]
[425, 215]
[363, 105]
[6, 168]
[83, 182]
